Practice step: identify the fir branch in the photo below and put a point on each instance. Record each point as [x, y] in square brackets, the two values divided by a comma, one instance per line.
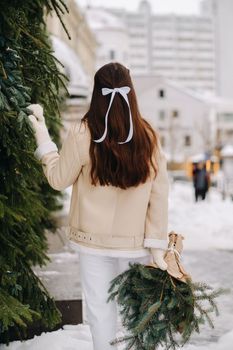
[56, 9]
[154, 315]
[36, 40]
[3, 71]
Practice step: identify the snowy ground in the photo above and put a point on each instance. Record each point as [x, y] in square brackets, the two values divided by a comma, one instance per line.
[205, 225]
[208, 256]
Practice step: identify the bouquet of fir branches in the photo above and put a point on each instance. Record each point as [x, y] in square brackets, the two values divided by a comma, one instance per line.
[162, 307]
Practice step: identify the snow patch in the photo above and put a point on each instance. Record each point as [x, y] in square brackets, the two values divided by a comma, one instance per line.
[205, 225]
[79, 337]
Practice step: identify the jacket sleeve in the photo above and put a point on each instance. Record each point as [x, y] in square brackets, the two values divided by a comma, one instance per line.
[156, 226]
[62, 168]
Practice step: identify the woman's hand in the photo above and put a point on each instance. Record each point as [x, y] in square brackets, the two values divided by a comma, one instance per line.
[38, 123]
[158, 257]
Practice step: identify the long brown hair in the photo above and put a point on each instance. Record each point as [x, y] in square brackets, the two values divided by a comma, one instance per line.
[120, 165]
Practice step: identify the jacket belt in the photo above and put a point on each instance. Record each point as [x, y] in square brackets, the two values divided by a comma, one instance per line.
[105, 241]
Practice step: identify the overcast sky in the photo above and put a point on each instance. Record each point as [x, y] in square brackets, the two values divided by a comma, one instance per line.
[175, 6]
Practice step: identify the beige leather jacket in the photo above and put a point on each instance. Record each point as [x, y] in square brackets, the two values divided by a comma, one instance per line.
[106, 216]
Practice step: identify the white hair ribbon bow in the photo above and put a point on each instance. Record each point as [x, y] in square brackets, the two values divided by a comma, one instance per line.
[123, 91]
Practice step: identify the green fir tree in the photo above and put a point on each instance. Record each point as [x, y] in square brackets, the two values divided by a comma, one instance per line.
[29, 73]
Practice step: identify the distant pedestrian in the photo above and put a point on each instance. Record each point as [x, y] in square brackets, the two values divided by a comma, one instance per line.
[200, 181]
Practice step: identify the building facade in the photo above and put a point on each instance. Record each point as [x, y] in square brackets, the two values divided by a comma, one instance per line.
[188, 123]
[223, 121]
[181, 116]
[178, 47]
[179, 63]
[78, 56]
[223, 15]
[193, 50]
[111, 35]
[83, 41]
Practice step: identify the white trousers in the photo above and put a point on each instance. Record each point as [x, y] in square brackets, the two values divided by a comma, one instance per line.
[96, 272]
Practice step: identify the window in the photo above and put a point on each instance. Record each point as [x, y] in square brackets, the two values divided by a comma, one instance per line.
[162, 140]
[225, 117]
[175, 113]
[161, 93]
[162, 114]
[187, 140]
[112, 55]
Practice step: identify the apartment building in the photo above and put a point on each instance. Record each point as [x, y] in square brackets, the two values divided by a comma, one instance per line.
[178, 47]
